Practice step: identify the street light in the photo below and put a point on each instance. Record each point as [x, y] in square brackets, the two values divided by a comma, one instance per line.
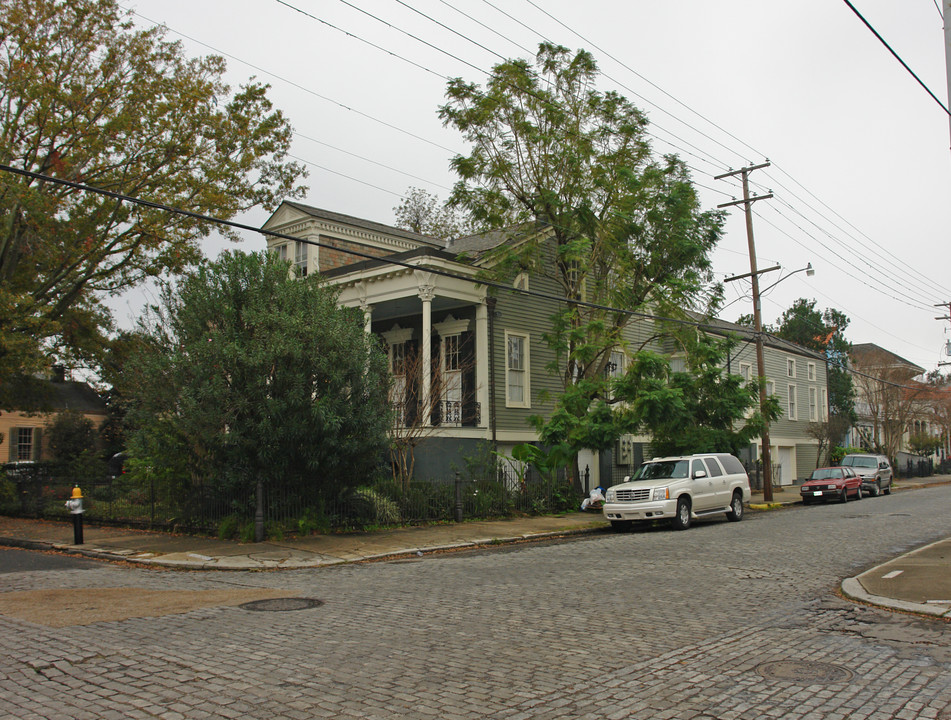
[761, 364]
[809, 270]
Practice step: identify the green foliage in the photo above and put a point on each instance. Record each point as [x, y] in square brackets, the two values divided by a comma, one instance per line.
[924, 444]
[245, 372]
[73, 441]
[568, 171]
[369, 507]
[87, 97]
[710, 412]
[230, 528]
[9, 499]
[70, 434]
[313, 521]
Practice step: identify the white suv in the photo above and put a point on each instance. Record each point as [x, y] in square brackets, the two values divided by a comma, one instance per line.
[680, 489]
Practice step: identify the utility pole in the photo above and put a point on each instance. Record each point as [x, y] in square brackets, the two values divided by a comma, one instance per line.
[946, 7]
[747, 203]
[945, 317]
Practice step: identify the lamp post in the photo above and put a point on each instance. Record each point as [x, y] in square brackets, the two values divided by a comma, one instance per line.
[761, 363]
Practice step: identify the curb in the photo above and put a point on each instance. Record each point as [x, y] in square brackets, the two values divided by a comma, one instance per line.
[852, 590]
[157, 562]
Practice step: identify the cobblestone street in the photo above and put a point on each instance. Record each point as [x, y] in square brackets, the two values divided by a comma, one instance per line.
[725, 621]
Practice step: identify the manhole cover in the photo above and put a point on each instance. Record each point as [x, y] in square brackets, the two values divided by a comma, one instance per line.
[281, 604]
[804, 673]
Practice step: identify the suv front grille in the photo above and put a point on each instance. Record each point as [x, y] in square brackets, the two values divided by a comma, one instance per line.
[639, 495]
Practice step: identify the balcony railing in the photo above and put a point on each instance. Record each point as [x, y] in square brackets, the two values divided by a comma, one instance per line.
[449, 413]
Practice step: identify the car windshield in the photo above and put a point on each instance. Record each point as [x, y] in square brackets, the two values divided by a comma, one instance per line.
[826, 474]
[664, 470]
[859, 462]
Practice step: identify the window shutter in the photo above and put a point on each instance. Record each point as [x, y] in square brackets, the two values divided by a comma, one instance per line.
[12, 437]
[467, 361]
[435, 379]
[37, 443]
[411, 410]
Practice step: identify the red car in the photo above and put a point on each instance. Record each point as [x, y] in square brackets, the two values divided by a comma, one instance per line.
[831, 482]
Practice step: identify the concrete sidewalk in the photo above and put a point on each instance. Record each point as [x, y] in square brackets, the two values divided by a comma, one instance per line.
[919, 581]
[203, 553]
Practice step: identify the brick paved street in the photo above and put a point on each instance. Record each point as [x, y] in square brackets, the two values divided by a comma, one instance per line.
[647, 624]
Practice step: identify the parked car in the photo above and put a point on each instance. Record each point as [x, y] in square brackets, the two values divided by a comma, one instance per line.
[680, 489]
[831, 482]
[875, 471]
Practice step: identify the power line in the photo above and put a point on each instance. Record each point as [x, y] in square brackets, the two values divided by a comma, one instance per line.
[83, 187]
[897, 57]
[352, 35]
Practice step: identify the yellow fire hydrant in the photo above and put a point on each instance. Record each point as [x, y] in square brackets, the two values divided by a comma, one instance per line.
[75, 507]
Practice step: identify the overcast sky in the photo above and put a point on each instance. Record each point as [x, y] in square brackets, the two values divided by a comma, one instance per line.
[861, 165]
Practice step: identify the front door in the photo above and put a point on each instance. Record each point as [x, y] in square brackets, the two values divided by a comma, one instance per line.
[786, 466]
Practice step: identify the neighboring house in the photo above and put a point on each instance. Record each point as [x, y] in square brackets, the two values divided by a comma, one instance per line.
[470, 365]
[24, 429]
[888, 401]
[798, 378]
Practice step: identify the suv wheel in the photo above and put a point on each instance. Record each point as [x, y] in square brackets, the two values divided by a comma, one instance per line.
[888, 488]
[682, 518]
[877, 488]
[735, 513]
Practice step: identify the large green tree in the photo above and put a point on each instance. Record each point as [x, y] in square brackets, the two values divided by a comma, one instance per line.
[621, 228]
[86, 97]
[715, 411]
[245, 373]
[823, 332]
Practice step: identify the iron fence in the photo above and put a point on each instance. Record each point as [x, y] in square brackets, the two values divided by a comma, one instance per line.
[919, 468]
[40, 491]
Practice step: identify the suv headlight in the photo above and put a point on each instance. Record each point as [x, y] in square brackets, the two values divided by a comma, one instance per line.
[661, 493]
[611, 495]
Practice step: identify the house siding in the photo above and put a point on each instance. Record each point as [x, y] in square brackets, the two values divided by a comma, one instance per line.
[529, 315]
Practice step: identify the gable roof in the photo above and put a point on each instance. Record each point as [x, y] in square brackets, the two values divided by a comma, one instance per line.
[723, 327]
[353, 221]
[873, 352]
[46, 396]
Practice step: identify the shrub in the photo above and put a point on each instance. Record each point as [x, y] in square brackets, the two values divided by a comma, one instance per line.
[368, 506]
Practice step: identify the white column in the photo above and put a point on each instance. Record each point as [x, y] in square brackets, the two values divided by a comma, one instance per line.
[367, 316]
[426, 293]
[482, 361]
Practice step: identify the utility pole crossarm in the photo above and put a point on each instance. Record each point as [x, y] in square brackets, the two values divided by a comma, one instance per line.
[746, 201]
[754, 273]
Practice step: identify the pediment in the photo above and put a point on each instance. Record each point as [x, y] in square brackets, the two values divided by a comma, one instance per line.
[284, 215]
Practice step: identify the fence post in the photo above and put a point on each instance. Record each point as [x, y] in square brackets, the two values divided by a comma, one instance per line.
[587, 479]
[458, 498]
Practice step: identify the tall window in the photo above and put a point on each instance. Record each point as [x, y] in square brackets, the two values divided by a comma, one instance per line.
[823, 404]
[300, 258]
[790, 368]
[813, 404]
[452, 352]
[24, 443]
[811, 371]
[399, 359]
[746, 370]
[517, 390]
[791, 403]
